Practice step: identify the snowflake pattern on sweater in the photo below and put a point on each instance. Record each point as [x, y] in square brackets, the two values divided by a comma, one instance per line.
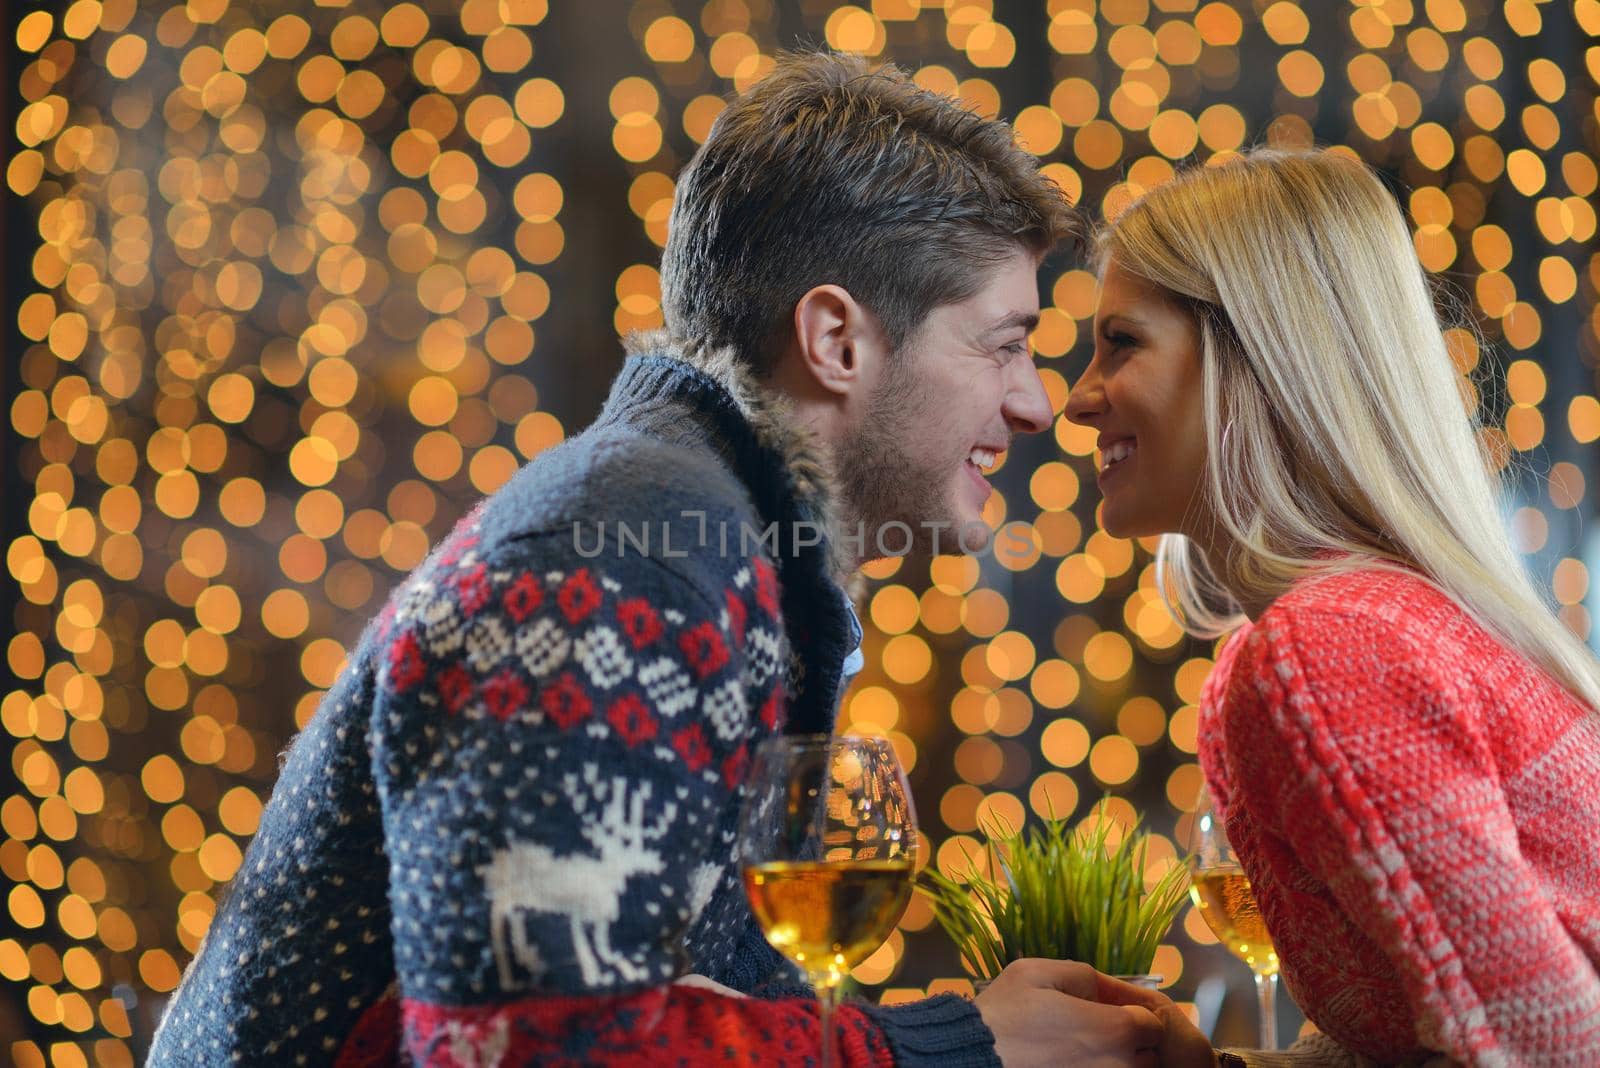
[597, 726]
[511, 822]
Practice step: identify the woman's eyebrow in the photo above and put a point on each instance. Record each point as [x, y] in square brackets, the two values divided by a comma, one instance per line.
[1119, 317]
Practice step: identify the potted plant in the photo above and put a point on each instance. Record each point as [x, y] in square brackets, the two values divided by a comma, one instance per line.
[1060, 894]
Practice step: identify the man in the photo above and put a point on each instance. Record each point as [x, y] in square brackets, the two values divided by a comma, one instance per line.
[508, 829]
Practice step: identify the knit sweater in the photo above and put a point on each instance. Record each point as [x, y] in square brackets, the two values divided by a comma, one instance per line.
[1418, 811]
[510, 824]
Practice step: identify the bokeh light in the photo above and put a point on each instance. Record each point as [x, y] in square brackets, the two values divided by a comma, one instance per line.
[284, 311]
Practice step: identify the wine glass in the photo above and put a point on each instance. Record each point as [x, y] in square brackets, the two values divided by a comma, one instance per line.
[827, 840]
[1221, 891]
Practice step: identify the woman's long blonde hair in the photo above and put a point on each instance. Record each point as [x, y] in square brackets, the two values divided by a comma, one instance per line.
[1334, 416]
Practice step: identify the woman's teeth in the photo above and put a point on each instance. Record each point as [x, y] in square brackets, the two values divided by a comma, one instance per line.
[982, 459]
[1116, 453]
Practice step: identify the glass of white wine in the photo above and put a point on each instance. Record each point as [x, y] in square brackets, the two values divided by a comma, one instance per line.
[827, 840]
[1221, 891]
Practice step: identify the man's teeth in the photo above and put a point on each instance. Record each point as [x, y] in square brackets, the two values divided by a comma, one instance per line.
[981, 458]
[1116, 453]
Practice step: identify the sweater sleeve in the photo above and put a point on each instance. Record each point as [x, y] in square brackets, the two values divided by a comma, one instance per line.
[557, 745]
[1369, 764]
[1319, 1051]
[944, 1031]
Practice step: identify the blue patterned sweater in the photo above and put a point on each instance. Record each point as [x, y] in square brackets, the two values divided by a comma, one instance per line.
[510, 824]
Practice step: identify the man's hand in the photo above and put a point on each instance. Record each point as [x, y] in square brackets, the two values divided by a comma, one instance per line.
[1047, 1012]
[1182, 1044]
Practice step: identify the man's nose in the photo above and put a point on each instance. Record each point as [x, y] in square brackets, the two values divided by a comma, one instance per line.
[1027, 405]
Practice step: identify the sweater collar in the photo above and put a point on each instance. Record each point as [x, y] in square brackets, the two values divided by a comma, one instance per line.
[708, 397]
[752, 425]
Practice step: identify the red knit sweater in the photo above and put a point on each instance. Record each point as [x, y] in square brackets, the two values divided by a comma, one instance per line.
[1418, 809]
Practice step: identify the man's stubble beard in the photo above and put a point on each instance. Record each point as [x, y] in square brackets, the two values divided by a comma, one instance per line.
[882, 482]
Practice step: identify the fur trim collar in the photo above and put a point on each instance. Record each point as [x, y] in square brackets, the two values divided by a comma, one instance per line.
[770, 415]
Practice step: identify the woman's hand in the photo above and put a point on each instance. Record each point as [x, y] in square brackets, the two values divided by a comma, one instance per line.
[1049, 1013]
[1182, 1045]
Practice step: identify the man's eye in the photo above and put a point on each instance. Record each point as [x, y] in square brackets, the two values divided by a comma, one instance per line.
[1016, 348]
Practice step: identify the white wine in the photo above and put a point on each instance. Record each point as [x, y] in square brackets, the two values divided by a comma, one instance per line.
[1225, 899]
[828, 916]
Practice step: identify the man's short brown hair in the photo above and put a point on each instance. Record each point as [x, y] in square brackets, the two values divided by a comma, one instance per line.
[831, 172]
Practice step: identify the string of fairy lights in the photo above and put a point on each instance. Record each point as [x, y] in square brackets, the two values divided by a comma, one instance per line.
[280, 326]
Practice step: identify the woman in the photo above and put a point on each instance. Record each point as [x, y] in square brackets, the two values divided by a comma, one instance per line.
[1401, 738]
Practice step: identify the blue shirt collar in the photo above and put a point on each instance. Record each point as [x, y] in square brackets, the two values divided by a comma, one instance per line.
[855, 660]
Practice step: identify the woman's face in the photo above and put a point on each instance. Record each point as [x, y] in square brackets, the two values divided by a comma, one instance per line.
[1143, 392]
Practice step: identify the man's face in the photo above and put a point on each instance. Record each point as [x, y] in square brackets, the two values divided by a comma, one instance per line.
[946, 407]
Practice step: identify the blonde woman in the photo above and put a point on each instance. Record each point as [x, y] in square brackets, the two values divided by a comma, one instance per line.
[1402, 740]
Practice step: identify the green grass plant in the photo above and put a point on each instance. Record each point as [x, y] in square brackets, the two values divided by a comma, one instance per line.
[1067, 895]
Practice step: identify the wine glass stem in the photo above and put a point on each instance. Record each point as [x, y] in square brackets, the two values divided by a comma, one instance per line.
[826, 995]
[1266, 996]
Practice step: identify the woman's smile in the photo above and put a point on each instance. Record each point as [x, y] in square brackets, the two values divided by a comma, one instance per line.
[1115, 457]
[1142, 392]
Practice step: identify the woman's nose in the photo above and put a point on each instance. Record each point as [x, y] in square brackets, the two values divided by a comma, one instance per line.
[1086, 398]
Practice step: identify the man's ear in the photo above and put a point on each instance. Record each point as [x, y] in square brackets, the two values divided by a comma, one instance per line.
[828, 331]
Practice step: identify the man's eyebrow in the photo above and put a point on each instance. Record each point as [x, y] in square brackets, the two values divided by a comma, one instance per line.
[1027, 320]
